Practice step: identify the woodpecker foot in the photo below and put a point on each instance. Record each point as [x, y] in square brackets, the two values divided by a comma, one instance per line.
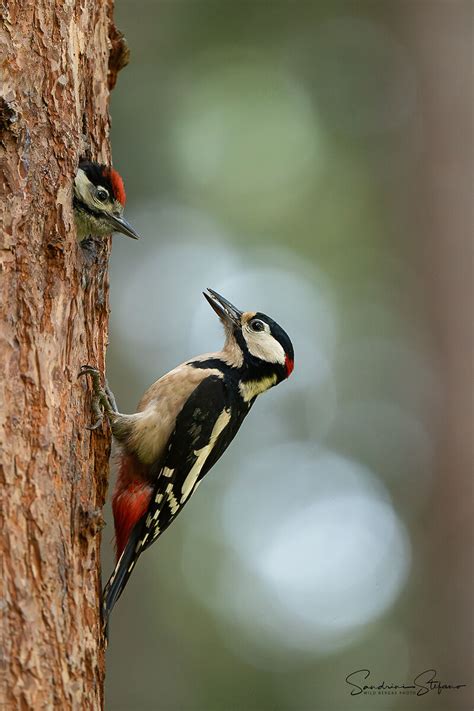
[110, 397]
[103, 400]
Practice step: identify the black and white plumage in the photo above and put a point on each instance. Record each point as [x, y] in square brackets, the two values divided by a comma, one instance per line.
[184, 423]
[99, 201]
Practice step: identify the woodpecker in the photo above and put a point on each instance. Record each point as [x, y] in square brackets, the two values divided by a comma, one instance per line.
[99, 201]
[184, 423]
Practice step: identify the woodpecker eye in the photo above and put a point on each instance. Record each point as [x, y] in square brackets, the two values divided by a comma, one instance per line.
[257, 325]
[102, 194]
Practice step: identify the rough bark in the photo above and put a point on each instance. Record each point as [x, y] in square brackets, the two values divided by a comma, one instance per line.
[54, 314]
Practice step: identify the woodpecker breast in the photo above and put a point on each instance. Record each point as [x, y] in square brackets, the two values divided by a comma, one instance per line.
[159, 408]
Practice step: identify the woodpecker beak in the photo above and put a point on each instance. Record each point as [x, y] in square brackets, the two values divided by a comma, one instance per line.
[228, 314]
[120, 225]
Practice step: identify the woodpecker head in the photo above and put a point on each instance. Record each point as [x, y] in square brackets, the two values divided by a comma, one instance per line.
[255, 344]
[99, 201]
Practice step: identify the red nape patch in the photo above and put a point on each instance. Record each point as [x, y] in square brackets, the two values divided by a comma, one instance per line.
[289, 365]
[117, 186]
[129, 502]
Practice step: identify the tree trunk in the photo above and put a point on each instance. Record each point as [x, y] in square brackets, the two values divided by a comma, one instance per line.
[53, 111]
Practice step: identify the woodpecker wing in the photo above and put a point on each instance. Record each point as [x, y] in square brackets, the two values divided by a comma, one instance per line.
[204, 428]
[203, 431]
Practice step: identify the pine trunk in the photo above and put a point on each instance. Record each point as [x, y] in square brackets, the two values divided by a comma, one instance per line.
[59, 62]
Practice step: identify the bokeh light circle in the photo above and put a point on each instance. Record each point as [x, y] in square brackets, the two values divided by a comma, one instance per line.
[318, 550]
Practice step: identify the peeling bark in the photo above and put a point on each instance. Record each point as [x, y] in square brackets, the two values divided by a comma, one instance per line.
[54, 96]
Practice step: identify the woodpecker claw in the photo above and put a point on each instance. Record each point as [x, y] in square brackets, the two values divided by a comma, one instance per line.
[110, 397]
[96, 424]
[88, 369]
[103, 400]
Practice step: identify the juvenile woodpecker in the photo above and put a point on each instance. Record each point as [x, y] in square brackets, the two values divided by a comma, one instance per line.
[184, 423]
[99, 201]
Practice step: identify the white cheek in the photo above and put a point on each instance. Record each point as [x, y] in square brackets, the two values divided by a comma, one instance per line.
[82, 186]
[262, 345]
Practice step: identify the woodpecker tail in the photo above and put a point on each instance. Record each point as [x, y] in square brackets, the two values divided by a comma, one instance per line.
[121, 574]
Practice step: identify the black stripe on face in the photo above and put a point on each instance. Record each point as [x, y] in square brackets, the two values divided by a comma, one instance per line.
[241, 342]
[260, 370]
[82, 207]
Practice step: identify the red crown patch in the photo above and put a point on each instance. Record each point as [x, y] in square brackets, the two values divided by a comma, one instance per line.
[117, 186]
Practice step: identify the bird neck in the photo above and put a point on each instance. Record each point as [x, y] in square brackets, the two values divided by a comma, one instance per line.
[249, 376]
[254, 375]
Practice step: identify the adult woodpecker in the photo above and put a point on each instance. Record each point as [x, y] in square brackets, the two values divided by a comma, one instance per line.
[184, 423]
[99, 201]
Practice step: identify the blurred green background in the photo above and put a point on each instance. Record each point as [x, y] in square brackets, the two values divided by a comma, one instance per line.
[310, 160]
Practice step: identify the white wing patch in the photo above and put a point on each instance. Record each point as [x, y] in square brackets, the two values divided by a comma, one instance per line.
[141, 543]
[202, 454]
[172, 500]
[252, 388]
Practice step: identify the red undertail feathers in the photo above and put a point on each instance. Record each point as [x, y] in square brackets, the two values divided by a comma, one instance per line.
[130, 500]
